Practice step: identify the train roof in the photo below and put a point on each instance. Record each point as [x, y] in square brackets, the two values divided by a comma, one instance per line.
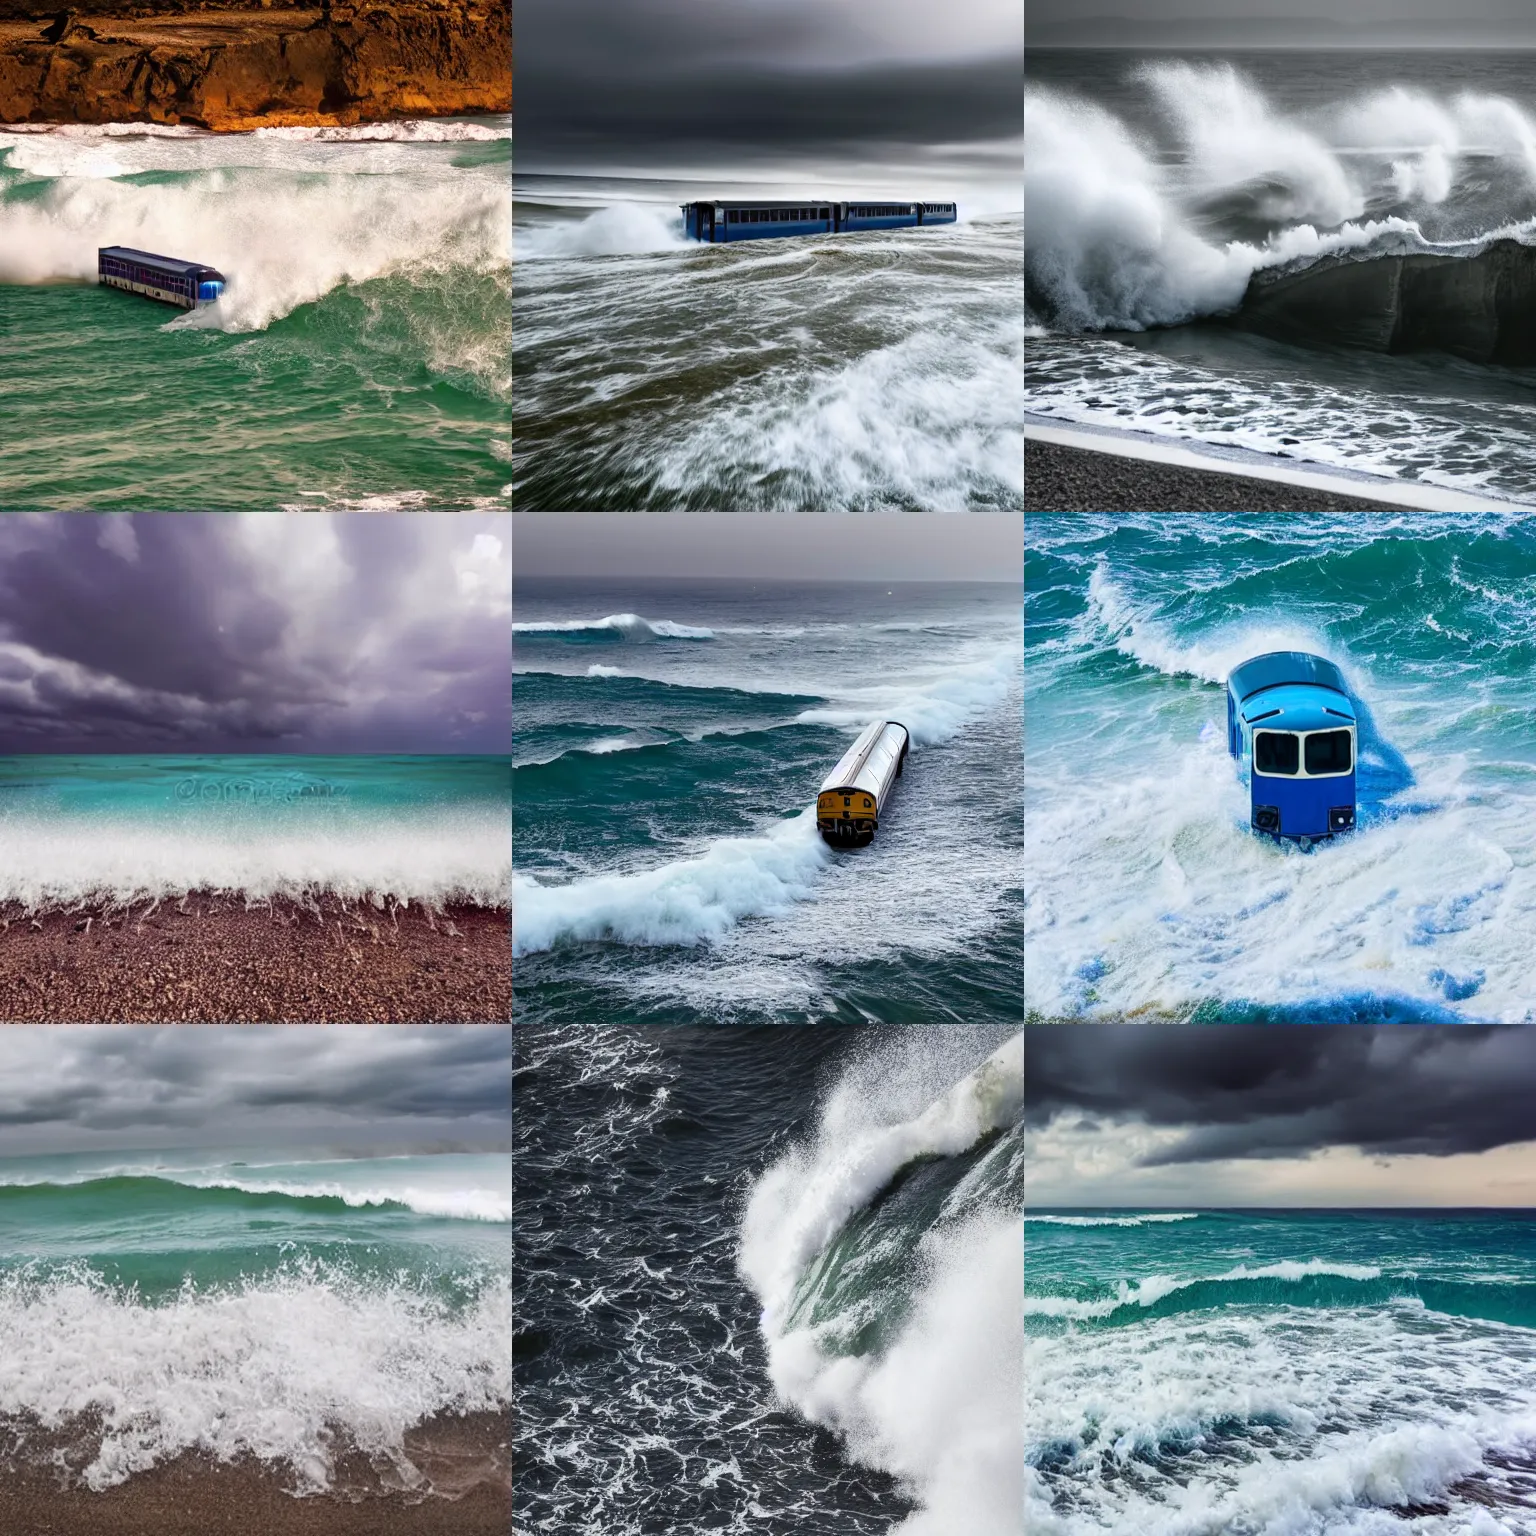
[1298, 707]
[168, 264]
[851, 764]
[1276, 669]
[801, 202]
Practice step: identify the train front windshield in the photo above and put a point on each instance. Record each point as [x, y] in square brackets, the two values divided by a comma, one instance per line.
[1276, 752]
[1329, 752]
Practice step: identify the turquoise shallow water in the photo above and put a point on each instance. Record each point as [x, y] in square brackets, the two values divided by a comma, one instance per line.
[1146, 889]
[252, 1303]
[416, 828]
[1265, 1372]
[360, 355]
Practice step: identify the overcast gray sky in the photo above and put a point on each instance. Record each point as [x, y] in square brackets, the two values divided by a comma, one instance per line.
[983, 546]
[361, 1089]
[1356, 21]
[256, 632]
[716, 79]
[1277, 1115]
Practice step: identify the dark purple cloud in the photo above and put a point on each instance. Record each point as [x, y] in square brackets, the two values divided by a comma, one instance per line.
[262, 632]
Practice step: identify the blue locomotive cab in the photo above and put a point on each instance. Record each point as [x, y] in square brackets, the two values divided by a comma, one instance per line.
[1292, 729]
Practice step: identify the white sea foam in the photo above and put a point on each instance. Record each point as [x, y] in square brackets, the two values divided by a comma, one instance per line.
[625, 229]
[597, 669]
[1340, 1422]
[627, 626]
[270, 1369]
[691, 901]
[934, 707]
[432, 860]
[938, 1407]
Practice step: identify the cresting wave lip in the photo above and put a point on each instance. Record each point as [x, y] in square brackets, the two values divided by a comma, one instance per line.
[618, 626]
[1148, 1293]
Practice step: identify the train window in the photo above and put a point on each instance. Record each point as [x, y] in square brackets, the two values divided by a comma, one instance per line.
[1328, 752]
[1276, 752]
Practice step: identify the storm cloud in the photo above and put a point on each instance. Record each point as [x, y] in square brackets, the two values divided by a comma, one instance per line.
[65, 1087]
[261, 632]
[1260, 1091]
[720, 78]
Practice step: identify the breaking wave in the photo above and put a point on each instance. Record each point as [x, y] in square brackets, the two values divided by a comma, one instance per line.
[904, 1337]
[1126, 233]
[695, 900]
[287, 1369]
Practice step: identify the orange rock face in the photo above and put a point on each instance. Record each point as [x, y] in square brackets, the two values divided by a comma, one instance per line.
[230, 70]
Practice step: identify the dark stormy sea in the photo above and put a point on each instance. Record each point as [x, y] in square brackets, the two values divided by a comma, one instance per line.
[840, 372]
[1158, 186]
[768, 1280]
[669, 743]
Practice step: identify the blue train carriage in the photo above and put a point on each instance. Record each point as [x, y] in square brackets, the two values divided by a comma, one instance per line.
[852, 796]
[1291, 726]
[719, 222]
[187, 284]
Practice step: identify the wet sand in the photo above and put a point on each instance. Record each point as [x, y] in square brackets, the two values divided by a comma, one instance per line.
[211, 960]
[196, 1496]
[1058, 478]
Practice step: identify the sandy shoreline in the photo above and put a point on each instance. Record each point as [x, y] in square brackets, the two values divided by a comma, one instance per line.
[1058, 478]
[210, 959]
[467, 1457]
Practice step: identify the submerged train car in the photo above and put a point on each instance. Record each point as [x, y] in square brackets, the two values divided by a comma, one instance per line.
[1292, 728]
[719, 222]
[853, 795]
[187, 284]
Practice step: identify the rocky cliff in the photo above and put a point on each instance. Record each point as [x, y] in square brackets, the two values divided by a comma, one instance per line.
[237, 69]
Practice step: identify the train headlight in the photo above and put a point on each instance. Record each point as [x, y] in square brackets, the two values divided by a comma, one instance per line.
[1267, 818]
[1341, 818]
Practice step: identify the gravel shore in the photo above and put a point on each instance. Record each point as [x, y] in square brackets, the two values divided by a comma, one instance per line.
[197, 1496]
[212, 960]
[1062, 479]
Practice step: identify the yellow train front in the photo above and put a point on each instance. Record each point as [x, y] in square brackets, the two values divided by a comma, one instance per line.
[854, 793]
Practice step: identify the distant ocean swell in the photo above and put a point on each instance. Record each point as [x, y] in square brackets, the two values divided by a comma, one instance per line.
[886, 1254]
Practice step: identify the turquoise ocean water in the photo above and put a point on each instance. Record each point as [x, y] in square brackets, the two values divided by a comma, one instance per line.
[1146, 889]
[276, 1304]
[359, 357]
[428, 829]
[1280, 1373]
